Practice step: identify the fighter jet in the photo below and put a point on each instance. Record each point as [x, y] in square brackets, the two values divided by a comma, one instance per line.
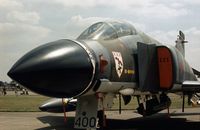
[108, 58]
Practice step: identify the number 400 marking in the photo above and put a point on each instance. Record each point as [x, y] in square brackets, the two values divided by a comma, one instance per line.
[85, 122]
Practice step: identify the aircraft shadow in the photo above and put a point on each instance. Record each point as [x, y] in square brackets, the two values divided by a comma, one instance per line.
[57, 123]
[155, 122]
[185, 114]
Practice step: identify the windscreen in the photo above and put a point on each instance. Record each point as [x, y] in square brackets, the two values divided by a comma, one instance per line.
[107, 31]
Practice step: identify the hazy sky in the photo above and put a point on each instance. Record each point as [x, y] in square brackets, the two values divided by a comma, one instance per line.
[25, 24]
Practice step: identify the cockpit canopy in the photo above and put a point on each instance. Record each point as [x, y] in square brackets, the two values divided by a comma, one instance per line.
[107, 31]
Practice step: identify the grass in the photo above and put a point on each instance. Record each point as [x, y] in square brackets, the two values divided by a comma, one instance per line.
[12, 103]
[176, 102]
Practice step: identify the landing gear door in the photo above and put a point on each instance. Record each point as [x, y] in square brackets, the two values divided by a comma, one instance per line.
[86, 112]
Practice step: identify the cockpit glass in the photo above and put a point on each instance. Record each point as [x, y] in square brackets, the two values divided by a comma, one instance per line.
[122, 29]
[107, 31]
[88, 33]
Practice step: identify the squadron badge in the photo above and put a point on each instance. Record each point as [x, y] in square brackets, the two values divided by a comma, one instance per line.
[118, 63]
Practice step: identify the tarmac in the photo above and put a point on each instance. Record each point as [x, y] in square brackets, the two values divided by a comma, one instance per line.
[127, 120]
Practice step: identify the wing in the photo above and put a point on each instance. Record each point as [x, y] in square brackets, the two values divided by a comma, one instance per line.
[196, 72]
[193, 86]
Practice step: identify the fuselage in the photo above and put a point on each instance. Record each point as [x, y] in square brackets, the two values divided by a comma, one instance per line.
[106, 57]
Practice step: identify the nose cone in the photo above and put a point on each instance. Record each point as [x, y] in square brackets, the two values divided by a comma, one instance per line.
[58, 69]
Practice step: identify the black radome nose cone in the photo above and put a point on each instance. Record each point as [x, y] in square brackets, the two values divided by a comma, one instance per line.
[58, 69]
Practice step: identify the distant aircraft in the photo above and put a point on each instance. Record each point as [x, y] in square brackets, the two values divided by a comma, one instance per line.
[108, 58]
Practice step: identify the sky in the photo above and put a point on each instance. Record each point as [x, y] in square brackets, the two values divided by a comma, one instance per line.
[26, 24]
